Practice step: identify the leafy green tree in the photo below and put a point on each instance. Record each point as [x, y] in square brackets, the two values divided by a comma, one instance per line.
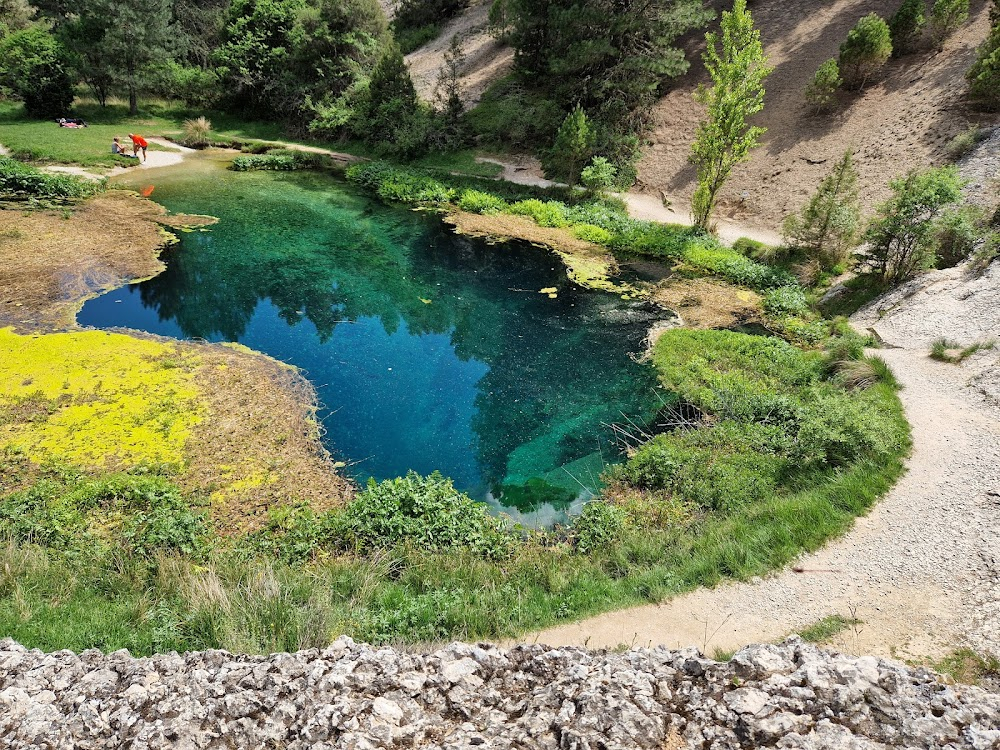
[725, 138]
[613, 57]
[389, 116]
[573, 147]
[827, 225]
[901, 239]
[284, 59]
[199, 25]
[824, 85]
[984, 75]
[15, 15]
[116, 42]
[946, 17]
[866, 49]
[906, 27]
[36, 67]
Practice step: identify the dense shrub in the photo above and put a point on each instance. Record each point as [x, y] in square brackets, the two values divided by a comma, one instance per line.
[866, 49]
[901, 238]
[946, 17]
[22, 182]
[598, 526]
[749, 247]
[478, 202]
[511, 116]
[545, 213]
[426, 512]
[907, 26]
[786, 300]
[36, 67]
[416, 22]
[141, 513]
[772, 412]
[823, 87]
[394, 183]
[666, 241]
[592, 233]
[733, 267]
[278, 160]
[984, 75]
[959, 232]
[599, 175]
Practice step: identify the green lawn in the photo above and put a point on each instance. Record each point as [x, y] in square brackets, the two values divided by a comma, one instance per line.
[43, 141]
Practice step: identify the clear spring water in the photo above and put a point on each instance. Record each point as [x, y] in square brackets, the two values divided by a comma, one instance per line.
[429, 351]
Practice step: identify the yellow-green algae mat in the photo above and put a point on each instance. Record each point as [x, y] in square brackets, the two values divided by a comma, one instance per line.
[92, 398]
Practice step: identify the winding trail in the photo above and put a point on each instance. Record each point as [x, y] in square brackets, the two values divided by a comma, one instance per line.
[527, 171]
[922, 569]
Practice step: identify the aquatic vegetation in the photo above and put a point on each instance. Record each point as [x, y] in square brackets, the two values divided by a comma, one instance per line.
[92, 398]
[21, 182]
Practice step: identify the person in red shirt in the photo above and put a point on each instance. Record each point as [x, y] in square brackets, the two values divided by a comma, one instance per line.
[138, 142]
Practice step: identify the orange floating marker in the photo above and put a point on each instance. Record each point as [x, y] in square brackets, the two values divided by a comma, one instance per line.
[148, 191]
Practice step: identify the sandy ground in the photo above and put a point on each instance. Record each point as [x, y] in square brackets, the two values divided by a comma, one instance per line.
[921, 569]
[901, 121]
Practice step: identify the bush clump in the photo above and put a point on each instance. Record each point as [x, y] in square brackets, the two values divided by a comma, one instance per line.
[906, 27]
[426, 512]
[823, 87]
[786, 300]
[478, 202]
[866, 49]
[277, 161]
[545, 213]
[769, 413]
[20, 182]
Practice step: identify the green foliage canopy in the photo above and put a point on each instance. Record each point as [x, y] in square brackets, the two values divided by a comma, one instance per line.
[36, 67]
[901, 238]
[866, 49]
[725, 138]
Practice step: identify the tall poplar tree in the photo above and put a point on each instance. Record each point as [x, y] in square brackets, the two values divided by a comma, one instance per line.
[725, 138]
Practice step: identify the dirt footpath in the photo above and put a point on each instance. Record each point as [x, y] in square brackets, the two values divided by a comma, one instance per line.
[921, 571]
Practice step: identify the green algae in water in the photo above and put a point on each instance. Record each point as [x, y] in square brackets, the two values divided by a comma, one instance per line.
[429, 351]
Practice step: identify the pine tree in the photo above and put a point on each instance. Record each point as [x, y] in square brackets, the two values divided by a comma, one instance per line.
[866, 49]
[828, 224]
[390, 115]
[572, 149]
[820, 91]
[906, 27]
[725, 139]
[450, 132]
[946, 17]
[984, 75]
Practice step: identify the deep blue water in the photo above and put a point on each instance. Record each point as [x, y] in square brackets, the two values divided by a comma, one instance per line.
[429, 351]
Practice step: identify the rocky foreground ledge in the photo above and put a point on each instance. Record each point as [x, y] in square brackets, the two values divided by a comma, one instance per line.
[354, 696]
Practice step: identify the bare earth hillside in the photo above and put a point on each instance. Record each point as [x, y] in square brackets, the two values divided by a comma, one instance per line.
[485, 59]
[902, 120]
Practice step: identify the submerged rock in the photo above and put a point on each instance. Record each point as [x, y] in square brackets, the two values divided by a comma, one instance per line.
[350, 695]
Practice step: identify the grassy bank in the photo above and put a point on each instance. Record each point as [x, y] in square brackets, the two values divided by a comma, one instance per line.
[783, 448]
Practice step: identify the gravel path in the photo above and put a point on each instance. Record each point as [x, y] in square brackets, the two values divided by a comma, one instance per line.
[922, 570]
